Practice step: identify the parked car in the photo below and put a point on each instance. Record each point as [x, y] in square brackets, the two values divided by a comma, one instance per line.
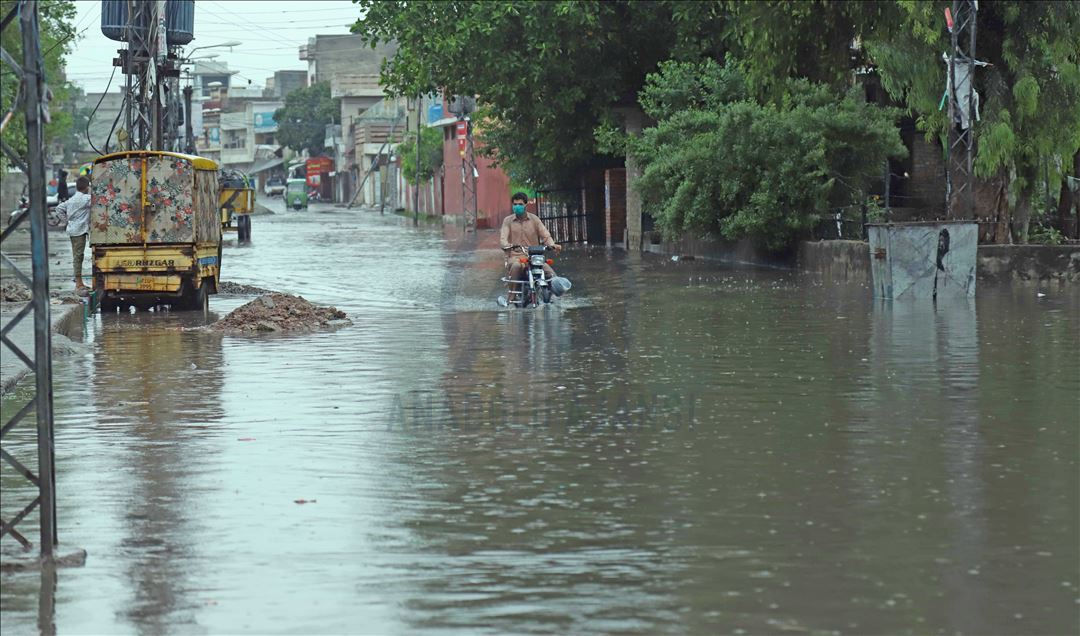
[52, 199]
[275, 186]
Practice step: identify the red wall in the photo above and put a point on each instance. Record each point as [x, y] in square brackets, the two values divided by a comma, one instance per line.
[492, 188]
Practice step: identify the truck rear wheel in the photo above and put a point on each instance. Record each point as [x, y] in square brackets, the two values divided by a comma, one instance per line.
[195, 298]
[108, 304]
[202, 297]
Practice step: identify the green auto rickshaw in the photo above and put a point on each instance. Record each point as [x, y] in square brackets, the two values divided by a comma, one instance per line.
[296, 194]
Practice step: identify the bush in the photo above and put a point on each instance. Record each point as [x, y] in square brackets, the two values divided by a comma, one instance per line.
[720, 164]
[1045, 235]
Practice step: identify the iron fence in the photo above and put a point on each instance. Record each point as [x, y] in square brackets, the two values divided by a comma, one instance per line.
[563, 212]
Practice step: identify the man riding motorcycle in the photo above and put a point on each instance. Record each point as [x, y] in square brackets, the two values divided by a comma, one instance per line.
[523, 229]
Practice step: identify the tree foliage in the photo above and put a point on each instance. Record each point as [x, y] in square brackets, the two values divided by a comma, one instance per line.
[1030, 123]
[431, 155]
[549, 73]
[302, 121]
[721, 163]
[546, 72]
[56, 19]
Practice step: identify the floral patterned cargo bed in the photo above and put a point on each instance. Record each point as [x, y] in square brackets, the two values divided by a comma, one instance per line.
[181, 201]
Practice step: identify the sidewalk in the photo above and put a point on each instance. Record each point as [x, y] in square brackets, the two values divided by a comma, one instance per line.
[66, 316]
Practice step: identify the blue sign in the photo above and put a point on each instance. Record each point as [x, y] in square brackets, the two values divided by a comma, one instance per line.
[263, 118]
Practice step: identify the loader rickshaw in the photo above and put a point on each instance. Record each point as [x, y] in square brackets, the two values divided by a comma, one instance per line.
[237, 202]
[155, 229]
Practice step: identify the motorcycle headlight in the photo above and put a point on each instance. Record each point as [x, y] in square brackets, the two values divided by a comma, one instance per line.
[536, 261]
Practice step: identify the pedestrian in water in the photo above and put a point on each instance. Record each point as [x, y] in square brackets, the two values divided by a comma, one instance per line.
[77, 211]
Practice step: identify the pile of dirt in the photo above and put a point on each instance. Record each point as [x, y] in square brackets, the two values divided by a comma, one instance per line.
[279, 313]
[238, 289]
[13, 291]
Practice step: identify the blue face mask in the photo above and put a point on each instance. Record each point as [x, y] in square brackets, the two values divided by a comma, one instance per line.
[519, 209]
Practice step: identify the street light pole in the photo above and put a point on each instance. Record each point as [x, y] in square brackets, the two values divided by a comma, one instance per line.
[416, 186]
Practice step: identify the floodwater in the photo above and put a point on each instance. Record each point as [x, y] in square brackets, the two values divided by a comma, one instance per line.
[676, 448]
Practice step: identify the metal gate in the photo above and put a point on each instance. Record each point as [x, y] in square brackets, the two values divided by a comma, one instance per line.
[563, 212]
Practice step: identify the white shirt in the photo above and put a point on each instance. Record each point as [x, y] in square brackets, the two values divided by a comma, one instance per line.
[77, 211]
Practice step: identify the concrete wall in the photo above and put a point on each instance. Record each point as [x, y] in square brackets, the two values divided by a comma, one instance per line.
[743, 252]
[1041, 264]
[1029, 263]
[11, 187]
[345, 55]
[835, 260]
[849, 261]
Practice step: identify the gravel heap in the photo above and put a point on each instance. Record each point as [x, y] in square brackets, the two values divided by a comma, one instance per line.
[14, 292]
[276, 312]
[239, 289]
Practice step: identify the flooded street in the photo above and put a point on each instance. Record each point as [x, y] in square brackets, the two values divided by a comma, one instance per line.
[674, 448]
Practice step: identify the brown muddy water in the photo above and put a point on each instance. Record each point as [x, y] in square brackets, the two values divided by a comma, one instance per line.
[675, 448]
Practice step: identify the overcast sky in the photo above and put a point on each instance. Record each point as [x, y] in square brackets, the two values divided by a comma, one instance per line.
[271, 31]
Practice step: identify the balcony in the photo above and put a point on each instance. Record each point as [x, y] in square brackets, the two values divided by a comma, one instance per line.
[376, 133]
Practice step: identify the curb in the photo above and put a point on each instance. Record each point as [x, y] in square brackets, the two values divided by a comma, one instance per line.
[63, 323]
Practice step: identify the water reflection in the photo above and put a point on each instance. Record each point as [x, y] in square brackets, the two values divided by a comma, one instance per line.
[156, 389]
[679, 447]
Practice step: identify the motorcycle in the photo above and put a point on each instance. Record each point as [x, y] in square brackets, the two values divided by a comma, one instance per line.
[54, 218]
[533, 288]
[22, 208]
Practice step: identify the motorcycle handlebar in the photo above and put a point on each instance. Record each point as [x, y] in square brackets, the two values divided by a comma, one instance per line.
[523, 248]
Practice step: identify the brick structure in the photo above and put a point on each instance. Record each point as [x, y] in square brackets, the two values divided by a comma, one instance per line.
[926, 185]
[614, 206]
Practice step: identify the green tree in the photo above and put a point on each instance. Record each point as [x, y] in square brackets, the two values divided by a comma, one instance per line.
[302, 121]
[1030, 126]
[57, 35]
[546, 73]
[431, 155]
[720, 163]
[1029, 129]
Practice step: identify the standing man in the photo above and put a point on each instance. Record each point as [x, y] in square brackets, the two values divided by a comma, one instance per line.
[77, 211]
[61, 185]
[523, 229]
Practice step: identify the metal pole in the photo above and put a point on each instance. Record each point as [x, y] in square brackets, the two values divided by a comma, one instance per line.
[888, 184]
[189, 134]
[34, 83]
[973, 8]
[416, 186]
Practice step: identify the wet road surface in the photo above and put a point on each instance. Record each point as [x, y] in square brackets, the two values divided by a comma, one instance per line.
[674, 448]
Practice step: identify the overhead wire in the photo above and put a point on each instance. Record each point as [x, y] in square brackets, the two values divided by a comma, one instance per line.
[242, 26]
[90, 119]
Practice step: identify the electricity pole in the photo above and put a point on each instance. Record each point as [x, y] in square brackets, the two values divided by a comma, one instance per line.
[960, 174]
[34, 104]
[416, 186]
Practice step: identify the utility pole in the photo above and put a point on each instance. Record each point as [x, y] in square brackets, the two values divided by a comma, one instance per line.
[462, 106]
[960, 174]
[35, 96]
[416, 186]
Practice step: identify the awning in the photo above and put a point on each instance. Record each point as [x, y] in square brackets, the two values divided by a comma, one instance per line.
[266, 165]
